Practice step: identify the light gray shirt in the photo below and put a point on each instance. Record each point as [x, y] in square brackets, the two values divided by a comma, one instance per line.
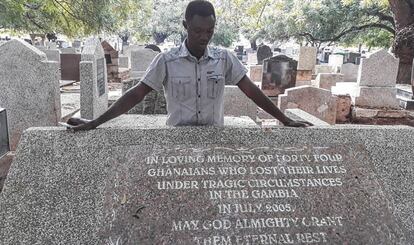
[194, 88]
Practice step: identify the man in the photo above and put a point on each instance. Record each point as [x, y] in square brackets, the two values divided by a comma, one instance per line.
[193, 77]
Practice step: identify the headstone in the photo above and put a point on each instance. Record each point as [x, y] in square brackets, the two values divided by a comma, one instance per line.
[328, 80]
[256, 72]
[237, 104]
[252, 58]
[69, 66]
[153, 103]
[323, 69]
[140, 60]
[263, 52]
[380, 69]
[350, 72]
[4, 133]
[93, 78]
[53, 54]
[68, 50]
[76, 44]
[336, 60]
[29, 88]
[289, 52]
[123, 61]
[307, 58]
[112, 62]
[315, 101]
[279, 73]
[352, 57]
[377, 79]
[198, 185]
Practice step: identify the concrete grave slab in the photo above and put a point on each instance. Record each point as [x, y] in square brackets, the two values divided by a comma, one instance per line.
[151, 185]
[377, 97]
[328, 80]
[237, 104]
[323, 69]
[315, 101]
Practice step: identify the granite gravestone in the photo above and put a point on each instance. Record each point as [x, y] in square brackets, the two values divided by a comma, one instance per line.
[140, 60]
[93, 77]
[307, 58]
[279, 73]
[4, 133]
[52, 54]
[350, 72]
[263, 52]
[153, 103]
[196, 185]
[29, 88]
[377, 78]
[328, 80]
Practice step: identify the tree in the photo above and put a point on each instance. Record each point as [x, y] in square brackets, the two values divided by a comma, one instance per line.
[69, 17]
[403, 47]
[326, 21]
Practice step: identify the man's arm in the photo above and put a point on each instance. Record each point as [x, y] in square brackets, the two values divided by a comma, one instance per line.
[255, 94]
[132, 97]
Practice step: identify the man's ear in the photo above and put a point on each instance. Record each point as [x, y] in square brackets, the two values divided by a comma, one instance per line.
[185, 24]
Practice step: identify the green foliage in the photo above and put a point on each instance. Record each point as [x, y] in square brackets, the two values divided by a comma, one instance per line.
[70, 17]
[319, 21]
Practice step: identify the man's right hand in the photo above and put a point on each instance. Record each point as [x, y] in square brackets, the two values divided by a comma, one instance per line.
[81, 124]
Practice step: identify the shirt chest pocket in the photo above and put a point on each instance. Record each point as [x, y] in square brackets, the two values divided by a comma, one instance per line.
[181, 88]
[215, 86]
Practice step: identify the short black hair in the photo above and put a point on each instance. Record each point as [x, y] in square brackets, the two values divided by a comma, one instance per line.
[199, 7]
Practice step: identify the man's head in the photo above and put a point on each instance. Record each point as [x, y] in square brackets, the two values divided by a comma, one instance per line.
[200, 19]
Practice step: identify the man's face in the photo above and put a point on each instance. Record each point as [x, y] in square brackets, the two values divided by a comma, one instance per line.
[200, 30]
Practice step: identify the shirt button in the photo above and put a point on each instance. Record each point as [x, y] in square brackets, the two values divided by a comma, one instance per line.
[199, 79]
[199, 96]
[199, 112]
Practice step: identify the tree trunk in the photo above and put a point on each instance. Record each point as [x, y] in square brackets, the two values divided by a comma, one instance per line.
[403, 46]
[253, 45]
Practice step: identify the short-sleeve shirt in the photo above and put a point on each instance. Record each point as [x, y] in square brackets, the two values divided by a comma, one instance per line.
[194, 88]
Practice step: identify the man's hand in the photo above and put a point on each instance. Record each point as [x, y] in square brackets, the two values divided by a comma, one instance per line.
[81, 124]
[297, 124]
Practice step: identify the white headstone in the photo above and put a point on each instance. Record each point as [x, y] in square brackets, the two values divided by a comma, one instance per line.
[336, 60]
[93, 81]
[29, 88]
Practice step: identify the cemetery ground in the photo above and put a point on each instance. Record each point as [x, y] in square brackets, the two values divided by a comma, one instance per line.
[346, 180]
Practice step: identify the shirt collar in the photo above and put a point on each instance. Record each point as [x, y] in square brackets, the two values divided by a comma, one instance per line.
[184, 51]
